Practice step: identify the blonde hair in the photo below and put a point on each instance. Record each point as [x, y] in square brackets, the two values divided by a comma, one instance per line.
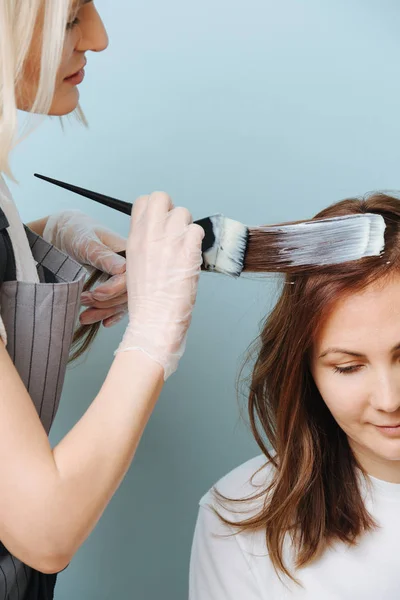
[17, 23]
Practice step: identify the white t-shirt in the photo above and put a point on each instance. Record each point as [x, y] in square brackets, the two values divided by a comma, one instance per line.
[24, 261]
[238, 568]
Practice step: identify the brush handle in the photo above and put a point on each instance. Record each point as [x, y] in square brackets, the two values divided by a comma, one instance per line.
[120, 205]
[126, 207]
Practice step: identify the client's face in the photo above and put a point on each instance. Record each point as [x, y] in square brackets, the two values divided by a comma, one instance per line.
[356, 367]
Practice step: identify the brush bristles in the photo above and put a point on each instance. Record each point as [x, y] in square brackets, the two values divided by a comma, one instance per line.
[231, 244]
[314, 243]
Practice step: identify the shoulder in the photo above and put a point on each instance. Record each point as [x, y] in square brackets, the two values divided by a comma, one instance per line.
[242, 483]
[245, 480]
[226, 562]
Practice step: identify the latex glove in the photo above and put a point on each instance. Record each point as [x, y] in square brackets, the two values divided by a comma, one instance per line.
[163, 267]
[90, 243]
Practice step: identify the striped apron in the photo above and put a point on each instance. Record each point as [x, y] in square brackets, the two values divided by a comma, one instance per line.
[39, 319]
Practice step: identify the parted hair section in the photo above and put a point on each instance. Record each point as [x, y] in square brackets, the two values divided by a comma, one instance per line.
[314, 496]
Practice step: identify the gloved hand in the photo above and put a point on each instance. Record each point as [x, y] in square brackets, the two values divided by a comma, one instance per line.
[163, 267]
[90, 243]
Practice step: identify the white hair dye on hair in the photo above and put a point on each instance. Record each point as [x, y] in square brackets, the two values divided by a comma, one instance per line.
[17, 22]
[334, 240]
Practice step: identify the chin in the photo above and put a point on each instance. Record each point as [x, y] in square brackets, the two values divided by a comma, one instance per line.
[389, 450]
[393, 455]
[375, 448]
[65, 105]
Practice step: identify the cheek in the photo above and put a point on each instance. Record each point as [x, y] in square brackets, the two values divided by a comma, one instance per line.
[66, 97]
[344, 395]
[67, 61]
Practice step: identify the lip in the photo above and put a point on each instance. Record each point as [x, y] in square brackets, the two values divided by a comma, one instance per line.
[391, 430]
[77, 78]
[78, 75]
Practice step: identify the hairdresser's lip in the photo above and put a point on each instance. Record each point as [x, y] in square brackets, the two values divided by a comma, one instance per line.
[391, 430]
[78, 76]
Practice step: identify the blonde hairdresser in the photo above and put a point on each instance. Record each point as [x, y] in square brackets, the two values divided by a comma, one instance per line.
[51, 499]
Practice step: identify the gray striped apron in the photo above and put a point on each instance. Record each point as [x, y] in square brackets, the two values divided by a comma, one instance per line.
[39, 319]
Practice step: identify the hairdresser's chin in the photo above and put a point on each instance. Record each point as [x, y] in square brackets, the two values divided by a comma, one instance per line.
[356, 367]
[67, 97]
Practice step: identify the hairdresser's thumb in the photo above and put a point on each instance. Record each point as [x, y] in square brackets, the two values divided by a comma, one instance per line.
[106, 260]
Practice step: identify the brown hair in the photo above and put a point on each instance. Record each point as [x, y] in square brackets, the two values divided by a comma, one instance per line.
[85, 335]
[314, 495]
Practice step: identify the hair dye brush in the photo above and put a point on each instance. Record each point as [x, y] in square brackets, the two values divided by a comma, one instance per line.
[230, 247]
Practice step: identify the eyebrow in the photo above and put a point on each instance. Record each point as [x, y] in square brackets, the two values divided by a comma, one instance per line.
[349, 352]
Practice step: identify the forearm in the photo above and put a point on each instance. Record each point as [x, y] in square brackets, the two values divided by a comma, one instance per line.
[38, 226]
[96, 454]
[52, 499]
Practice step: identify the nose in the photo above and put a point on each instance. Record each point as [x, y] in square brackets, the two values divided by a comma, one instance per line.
[94, 35]
[386, 396]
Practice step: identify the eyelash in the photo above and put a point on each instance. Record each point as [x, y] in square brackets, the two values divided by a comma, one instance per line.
[73, 23]
[347, 370]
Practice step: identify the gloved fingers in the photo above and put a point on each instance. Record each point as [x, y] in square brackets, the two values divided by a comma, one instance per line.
[178, 220]
[101, 257]
[151, 210]
[193, 248]
[112, 288]
[139, 208]
[110, 239]
[86, 240]
[196, 233]
[114, 319]
[159, 204]
[109, 303]
[95, 315]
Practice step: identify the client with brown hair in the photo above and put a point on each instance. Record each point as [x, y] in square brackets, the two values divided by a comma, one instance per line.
[317, 514]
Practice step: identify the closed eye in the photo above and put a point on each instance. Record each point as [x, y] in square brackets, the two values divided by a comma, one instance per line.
[350, 369]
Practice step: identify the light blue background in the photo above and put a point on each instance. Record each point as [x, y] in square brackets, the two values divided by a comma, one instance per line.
[263, 110]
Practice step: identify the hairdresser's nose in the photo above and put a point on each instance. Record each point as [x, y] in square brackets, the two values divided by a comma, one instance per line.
[94, 35]
[386, 394]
